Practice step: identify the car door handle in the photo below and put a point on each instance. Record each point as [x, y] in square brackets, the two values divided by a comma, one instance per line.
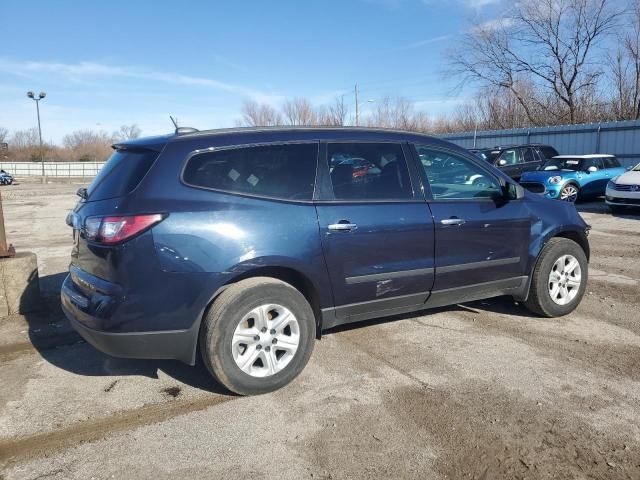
[342, 226]
[453, 221]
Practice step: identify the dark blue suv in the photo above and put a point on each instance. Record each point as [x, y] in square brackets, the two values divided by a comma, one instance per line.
[250, 242]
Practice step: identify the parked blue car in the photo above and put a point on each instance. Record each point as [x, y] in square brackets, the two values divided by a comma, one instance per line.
[246, 244]
[569, 177]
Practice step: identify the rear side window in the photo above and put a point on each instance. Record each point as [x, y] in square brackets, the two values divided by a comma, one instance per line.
[279, 171]
[121, 174]
[547, 152]
[611, 162]
[528, 155]
[368, 171]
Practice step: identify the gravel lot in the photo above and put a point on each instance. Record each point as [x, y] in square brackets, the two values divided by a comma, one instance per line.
[482, 390]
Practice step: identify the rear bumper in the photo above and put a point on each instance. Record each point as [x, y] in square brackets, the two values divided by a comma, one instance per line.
[165, 344]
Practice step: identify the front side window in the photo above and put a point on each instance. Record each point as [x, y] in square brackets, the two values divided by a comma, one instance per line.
[368, 171]
[279, 171]
[452, 177]
[511, 157]
[592, 162]
[564, 164]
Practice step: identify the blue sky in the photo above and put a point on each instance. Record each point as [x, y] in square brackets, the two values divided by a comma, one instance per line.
[109, 63]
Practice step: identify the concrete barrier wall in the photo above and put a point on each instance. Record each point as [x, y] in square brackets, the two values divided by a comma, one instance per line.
[52, 169]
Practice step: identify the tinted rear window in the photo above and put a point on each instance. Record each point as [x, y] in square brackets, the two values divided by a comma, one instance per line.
[121, 174]
[279, 171]
[547, 152]
[611, 162]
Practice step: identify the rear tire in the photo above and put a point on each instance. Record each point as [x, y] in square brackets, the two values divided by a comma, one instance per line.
[553, 291]
[238, 333]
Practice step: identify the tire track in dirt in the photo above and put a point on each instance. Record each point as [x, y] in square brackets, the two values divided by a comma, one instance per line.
[14, 450]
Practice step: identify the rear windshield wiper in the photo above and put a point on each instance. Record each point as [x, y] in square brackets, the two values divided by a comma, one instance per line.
[82, 193]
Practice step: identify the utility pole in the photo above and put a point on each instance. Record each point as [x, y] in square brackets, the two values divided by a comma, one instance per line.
[355, 90]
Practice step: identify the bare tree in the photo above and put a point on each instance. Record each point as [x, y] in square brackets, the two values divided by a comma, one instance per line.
[624, 64]
[25, 139]
[259, 115]
[398, 113]
[335, 115]
[553, 44]
[4, 135]
[299, 111]
[88, 145]
[127, 132]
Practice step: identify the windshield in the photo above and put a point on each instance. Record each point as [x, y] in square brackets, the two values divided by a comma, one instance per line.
[489, 154]
[567, 164]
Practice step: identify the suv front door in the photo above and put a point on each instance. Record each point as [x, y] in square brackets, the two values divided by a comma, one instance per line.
[377, 234]
[482, 239]
[510, 162]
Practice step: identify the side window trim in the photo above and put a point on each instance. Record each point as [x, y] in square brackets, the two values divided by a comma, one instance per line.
[324, 186]
[425, 180]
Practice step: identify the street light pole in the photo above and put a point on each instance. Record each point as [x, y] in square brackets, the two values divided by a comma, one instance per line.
[41, 95]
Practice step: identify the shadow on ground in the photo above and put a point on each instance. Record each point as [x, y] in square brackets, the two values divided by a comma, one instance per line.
[599, 206]
[503, 305]
[57, 342]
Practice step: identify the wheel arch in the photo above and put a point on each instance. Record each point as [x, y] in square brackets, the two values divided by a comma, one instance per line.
[573, 182]
[292, 276]
[577, 236]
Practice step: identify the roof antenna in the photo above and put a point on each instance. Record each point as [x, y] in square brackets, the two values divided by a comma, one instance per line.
[180, 130]
[175, 122]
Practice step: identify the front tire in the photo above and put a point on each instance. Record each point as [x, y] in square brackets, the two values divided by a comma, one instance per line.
[258, 335]
[616, 208]
[559, 279]
[569, 193]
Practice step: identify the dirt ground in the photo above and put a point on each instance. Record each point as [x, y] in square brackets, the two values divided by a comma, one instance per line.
[476, 391]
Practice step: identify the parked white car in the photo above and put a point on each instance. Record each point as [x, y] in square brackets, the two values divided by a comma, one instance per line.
[624, 190]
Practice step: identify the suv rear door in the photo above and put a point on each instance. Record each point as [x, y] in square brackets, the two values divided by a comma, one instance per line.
[530, 160]
[377, 232]
[482, 240]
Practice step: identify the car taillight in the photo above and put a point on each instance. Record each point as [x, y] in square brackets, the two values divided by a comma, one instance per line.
[116, 229]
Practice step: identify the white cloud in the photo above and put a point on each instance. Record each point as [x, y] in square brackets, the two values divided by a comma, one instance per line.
[421, 43]
[473, 4]
[79, 71]
[478, 4]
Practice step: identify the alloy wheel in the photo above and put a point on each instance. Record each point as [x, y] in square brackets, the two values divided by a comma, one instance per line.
[569, 193]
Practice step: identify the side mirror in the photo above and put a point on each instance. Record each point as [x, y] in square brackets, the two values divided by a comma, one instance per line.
[511, 191]
[502, 162]
[592, 169]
